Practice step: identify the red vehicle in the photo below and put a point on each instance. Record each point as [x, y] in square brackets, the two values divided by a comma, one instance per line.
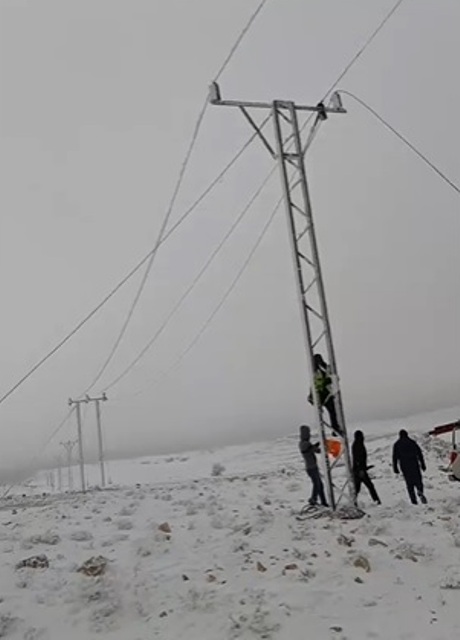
[454, 462]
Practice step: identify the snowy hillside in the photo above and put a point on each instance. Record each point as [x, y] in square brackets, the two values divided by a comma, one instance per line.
[231, 560]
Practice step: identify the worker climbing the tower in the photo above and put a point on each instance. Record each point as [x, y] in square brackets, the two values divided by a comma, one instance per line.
[308, 449]
[323, 385]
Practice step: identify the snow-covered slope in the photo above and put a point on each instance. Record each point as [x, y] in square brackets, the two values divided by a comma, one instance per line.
[236, 562]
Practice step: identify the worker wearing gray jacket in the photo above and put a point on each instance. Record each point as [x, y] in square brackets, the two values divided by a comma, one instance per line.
[308, 449]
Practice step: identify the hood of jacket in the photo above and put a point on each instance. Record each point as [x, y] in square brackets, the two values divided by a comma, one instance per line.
[305, 433]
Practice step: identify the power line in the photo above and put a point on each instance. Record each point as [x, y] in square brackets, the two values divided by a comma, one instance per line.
[50, 438]
[346, 69]
[141, 263]
[36, 455]
[354, 60]
[214, 254]
[221, 302]
[343, 73]
[150, 256]
[133, 271]
[363, 48]
[189, 290]
[239, 39]
[403, 139]
[153, 251]
[169, 211]
[213, 184]
[163, 235]
[60, 426]
[143, 282]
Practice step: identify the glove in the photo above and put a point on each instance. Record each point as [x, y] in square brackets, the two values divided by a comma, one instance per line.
[424, 468]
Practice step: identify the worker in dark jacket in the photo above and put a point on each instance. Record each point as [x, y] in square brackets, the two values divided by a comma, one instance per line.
[308, 449]
[408, 457]
[322, 382]
[360, 468]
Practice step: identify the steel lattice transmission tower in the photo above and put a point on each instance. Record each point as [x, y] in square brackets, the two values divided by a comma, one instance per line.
[289, 152]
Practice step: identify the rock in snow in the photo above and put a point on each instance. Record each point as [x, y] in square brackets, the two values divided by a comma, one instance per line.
[34, 562]
[94, 567]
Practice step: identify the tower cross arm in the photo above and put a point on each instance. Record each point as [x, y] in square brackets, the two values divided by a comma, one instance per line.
[335, 105]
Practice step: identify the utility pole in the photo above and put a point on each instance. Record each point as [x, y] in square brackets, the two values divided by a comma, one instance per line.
[81, 459]
[289, 153]
[68, 446]
[100, 441]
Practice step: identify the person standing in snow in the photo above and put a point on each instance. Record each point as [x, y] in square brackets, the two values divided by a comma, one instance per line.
[360, 474]
[408, 457]
[308, 449]
[323, 385]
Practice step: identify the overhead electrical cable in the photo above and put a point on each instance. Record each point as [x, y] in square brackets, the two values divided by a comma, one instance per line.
[313, 131]
[88, 317]
[355, 58]
[363, 48]
[172, 203]
[153, 254]
[219, 305]
[403, 139]
[140, 264]
[189, 290]
[36, 455]
[239, 40]
[134, 270]
[163, 235]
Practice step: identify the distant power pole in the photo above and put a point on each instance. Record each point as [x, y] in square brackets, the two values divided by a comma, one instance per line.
[288, 151]
[68, 446]
[81, 459]
[100, 440]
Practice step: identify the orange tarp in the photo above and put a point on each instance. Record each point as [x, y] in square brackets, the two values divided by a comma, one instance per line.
[334, 448]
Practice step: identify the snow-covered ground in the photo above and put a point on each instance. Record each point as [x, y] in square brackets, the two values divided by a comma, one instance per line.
[236, 563]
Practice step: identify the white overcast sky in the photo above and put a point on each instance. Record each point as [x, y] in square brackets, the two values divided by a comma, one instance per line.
[98, 99]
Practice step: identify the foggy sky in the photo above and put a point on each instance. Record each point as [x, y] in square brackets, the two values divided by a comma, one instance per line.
[98, 101]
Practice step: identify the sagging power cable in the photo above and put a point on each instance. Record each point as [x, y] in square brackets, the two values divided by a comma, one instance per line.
[189, 290]
[37, 455]
[356, 57]
[311, 136]
[143, 261]
[403, 139]
[133, 271]
[219, 305]
[172, 203]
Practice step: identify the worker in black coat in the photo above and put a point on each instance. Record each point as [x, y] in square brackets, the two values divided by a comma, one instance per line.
[408, 457]
[360, 474]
